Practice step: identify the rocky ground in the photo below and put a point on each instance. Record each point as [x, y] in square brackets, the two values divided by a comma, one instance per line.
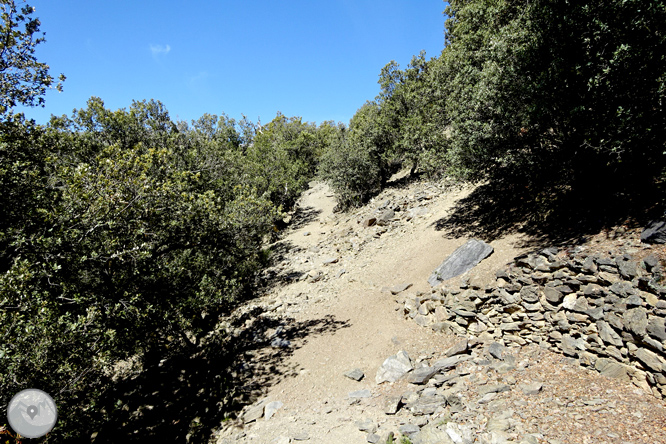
[335, 342]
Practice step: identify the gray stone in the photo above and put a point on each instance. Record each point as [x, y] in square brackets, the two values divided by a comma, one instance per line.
[451, 362]
[568, 345]
[627, 269]
[373, 438]
[385, 217]
[455, 403]
[612, 369]
[651, 261]
[427, 405]
[589, 266]
[633, 301]
[280, 343]
[329, 260]
[608, 335]
[422, 320]
[654, 233]
[493, 388]
[595, 313]
[531, 389]
[431, 435]
[656, 328]
[495, 350]
[463, 259]
[592, 290]
[613, 352]
[254, 412]
[408, 429]
[393, 368]
[392, 405]
[553, 295]
[399, 288]
[358, 394]
[653, 343]
[581, 305]
[498, 424]
[510, 326]
[530, 294]
[508, 298]
[457, 348]
[635, 321]
[366, 425]
[650, 359]
[369, 222]
[564, 289]
[622, 289]
[272, 408]
[614, 320]
[355, 374]
[421, 375]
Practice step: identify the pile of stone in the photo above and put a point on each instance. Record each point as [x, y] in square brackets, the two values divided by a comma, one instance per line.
[454, 399]
[608, 312]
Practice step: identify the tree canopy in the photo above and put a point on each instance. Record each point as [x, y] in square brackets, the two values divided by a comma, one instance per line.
[23, 80]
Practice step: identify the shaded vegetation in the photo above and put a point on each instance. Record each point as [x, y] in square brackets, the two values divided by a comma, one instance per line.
[564, 98]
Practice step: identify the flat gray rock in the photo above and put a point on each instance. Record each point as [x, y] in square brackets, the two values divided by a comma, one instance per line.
[254, 412]
[452, 362]
[654, 233]
[531, 389]
[421, 375]
[385, 217]
[496, 350]
[408, 429]
[357, 394]
[355, 374]
[366, 425]
[271, 408]
[463, 259]
[457, 349]
[493, 388]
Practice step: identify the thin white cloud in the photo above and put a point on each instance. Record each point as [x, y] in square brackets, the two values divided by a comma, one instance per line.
[159, 50]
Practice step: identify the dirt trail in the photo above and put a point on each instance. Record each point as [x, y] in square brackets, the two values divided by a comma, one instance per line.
[315, 398]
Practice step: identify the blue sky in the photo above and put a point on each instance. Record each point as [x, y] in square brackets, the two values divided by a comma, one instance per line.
[319, 60]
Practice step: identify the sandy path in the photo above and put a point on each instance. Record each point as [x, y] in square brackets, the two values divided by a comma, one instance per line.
[316, 402]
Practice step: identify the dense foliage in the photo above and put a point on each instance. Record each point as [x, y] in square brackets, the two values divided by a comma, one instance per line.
[556, 94]
[23, 80]
[124, 234]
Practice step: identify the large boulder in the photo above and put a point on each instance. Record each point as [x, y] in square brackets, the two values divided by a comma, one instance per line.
[462, 260]
[654, 233]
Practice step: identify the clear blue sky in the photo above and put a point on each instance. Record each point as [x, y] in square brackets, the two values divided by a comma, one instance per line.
[319, 60]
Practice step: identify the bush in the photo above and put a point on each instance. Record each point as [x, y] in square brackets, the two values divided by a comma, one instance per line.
[352, 164]
[124, 252]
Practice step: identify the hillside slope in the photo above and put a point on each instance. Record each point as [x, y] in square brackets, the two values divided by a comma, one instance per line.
[330, 297]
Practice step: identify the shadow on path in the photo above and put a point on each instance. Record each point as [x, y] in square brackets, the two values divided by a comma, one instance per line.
[188, 395]
[499, 208]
